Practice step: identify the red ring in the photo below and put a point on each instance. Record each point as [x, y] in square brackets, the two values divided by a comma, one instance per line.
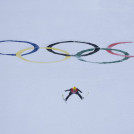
[114, 44]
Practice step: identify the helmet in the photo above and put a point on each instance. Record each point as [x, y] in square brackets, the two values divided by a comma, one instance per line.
[74, 88]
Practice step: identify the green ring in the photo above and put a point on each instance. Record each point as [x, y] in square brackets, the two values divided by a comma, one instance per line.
[78, 55]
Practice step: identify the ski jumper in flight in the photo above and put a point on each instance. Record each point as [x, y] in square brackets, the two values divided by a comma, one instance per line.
[73, 90]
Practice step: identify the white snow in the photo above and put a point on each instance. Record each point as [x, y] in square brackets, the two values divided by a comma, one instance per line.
[31, 93]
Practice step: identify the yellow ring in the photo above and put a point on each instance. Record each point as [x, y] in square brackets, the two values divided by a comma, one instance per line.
[19, 55]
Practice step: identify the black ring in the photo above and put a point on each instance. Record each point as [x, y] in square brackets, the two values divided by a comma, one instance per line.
[96, 48]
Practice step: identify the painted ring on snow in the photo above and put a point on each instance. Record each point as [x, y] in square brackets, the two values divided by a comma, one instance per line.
[96, 48]
[36, 47]
[19, 55]
[78, 55]
[114, 44]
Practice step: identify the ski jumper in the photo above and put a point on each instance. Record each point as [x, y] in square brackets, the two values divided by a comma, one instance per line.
[73, 92]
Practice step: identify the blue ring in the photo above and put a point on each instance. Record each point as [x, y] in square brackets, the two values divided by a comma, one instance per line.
[36, 47]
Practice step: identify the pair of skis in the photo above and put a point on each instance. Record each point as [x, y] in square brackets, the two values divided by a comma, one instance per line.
[65, 100]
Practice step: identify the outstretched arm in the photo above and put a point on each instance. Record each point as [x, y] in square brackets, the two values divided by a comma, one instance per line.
[79, 90]
[67, 90]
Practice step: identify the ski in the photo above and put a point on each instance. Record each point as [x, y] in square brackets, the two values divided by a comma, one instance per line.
[63, 97]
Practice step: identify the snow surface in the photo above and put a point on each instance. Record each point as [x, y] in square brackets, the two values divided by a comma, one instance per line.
[31, 93]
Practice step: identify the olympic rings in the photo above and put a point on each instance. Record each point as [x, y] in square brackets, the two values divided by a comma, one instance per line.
[79, 56]
[36, 47]
[67, 55]
[19, 53]
[94, 50]
[114, 44]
